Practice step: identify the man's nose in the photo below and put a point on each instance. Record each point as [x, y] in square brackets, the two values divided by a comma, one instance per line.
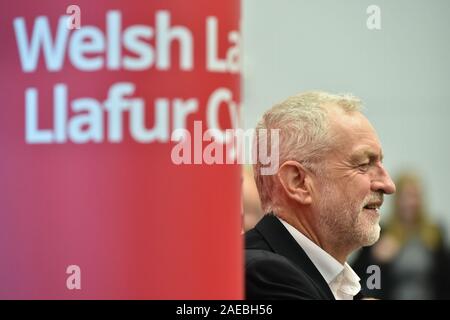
[383, 182]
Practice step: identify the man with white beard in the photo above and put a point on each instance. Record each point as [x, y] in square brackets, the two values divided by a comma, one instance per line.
[322, 204]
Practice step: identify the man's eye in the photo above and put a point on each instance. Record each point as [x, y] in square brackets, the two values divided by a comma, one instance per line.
[364, 166]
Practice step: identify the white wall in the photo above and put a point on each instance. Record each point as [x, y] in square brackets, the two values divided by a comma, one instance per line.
[402, 73]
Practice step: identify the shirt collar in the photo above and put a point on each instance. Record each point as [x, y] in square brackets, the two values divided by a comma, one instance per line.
[346, 284]
[328, 266]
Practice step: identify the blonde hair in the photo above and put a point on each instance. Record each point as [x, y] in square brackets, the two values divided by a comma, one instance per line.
[304, 134]
[428, 232]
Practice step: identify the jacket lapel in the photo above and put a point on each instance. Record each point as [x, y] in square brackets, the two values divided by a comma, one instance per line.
[281, 242]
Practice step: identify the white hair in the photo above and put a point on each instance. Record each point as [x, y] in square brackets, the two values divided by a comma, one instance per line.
[304, 134]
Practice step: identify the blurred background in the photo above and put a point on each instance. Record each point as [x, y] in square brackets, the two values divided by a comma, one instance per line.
[401, 71]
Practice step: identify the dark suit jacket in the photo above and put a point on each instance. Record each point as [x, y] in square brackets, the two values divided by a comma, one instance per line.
[278, 268]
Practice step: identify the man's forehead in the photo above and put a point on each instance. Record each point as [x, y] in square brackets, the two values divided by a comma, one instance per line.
[349, 123]
[345, 123]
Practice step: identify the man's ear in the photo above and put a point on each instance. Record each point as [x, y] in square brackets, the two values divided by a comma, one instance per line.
[295, 182]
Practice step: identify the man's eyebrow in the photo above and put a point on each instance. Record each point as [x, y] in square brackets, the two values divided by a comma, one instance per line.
[364, 154]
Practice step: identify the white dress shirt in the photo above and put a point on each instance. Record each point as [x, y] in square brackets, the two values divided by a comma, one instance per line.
[342, 280]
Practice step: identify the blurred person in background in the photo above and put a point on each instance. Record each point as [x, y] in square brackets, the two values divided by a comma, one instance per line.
[413, 260]
[250, 197]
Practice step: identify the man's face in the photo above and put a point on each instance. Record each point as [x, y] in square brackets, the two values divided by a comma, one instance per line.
[351, 187]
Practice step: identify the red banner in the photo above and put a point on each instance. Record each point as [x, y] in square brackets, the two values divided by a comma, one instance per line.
[92, 204]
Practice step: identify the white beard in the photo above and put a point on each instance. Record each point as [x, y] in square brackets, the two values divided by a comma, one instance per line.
[346, 223]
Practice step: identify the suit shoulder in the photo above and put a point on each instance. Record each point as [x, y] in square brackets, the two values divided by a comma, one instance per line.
[254, 240]
[256, 256]
[272, 276]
